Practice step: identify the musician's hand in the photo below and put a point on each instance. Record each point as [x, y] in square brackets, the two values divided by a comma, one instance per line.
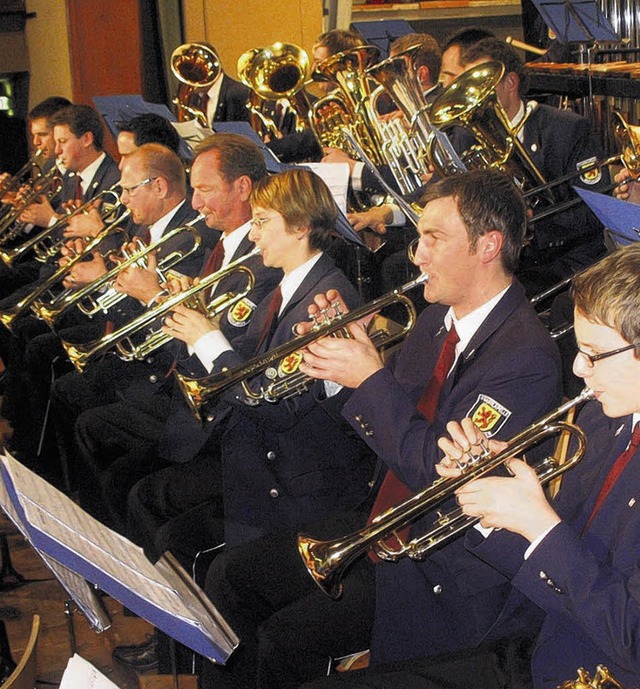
[627, 191]
[70, 249]
[86, 224]
[335, 155]
[85, 272]
[187, 325]
[465, 440]
[516, 503]
[140, 283]
[179, 284]
[40, 212]
[348, 362]
[376, 219]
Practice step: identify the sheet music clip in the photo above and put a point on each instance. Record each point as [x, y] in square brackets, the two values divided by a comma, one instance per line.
[620, 218]
[576, 21]
[118, 109]
[382, 32]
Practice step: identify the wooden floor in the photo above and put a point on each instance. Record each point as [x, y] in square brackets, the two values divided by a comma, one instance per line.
[44, 595]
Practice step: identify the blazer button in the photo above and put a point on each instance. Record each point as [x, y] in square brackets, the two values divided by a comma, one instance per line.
[437, 589]
[273, 493]
[153, 378]
[210, 417]
[271, 455]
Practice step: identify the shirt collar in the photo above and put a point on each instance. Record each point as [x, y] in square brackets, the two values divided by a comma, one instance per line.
[232, 241]
[157, 228]
[214, 97]
[290, 282]
[89, 172]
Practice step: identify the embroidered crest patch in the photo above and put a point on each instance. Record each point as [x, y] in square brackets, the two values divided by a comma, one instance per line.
[289, 364]
[238, 315]
[592, 176]
[488, 415]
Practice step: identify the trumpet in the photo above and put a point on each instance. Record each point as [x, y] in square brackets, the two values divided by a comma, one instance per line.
[14, 182]
[8, 316]
[128, 350]
[602, 679]
[93, 298]
[43, 243]
[327, 560]
[198, 391]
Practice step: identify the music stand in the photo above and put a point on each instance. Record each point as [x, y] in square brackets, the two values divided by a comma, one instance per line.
[620, 218]
[382, 32]
[576, 21]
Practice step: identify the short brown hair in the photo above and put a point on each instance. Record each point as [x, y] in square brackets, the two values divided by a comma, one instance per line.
[81, 119]
[338, 40]
[487, 200]
[495, 49]
[237, 155]
[160, 161]
[429, 54]
[303, 200]
[608, 292]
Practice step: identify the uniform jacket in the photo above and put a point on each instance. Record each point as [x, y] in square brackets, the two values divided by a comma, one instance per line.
[289, 461]
[232, 101]
[587, 583]
[508, 376]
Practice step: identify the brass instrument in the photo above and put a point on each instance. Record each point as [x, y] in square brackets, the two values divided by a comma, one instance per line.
[327, 560]
[45, 245]
[24, 174]
[198, 391]
[94, 298]
[8, 316]
[279, 71]
[603, 679]
[48, 184]
[470, 102]
[196, 67]
[128, 350]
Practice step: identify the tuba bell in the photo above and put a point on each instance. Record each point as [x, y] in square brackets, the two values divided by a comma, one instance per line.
[196, 66]
[278, 72]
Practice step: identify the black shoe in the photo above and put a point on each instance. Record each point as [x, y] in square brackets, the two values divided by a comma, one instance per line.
[141, 657]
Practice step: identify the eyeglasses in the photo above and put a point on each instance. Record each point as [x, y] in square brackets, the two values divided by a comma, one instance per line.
[590, 359]
[130, 190]
[259, 222]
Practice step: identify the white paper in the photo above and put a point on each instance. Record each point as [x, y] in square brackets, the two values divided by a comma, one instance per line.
[336, 177]
[80, 674]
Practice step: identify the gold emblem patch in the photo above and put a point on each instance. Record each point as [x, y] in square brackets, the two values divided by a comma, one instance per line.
[592, 176]
[240, 313]
[290, 364]
[488, 415]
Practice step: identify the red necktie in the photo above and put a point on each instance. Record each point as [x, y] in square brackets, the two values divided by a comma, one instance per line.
[79, 192]
[270, 321]
[214, 262]
[393, 490]
[614, 473]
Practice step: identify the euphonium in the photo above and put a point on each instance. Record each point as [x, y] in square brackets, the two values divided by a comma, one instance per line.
[279, 71]
[196, 67]
[101, 295]
[45, 245]
[198, 391]
[45, 286]
[327, 560]
[603, 679]
[470, 101]
[153, 338]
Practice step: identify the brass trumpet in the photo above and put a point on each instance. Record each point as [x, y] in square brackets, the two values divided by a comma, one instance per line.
[602, 679]
[101, 295]
[327, 560]
[8, 316]
[14, 182]
[128, 350]
[198, 391]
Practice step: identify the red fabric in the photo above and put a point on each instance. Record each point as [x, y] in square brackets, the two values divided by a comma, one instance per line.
[274, 308]
[214, 262]
[79, 193]
[393, 490]
[614, 473]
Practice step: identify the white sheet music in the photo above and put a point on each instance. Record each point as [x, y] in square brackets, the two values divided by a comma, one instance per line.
[336, 177]
[80, 673]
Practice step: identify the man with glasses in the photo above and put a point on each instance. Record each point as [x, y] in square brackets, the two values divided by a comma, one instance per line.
[572, 562]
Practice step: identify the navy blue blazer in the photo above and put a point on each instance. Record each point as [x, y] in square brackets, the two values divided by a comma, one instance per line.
[587, 583]
[508, 376]
[287, 462]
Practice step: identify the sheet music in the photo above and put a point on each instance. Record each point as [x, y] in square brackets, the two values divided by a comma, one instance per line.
[336, 177]
[81, 673]
[162, 594]
[75, 585]
[191, 132]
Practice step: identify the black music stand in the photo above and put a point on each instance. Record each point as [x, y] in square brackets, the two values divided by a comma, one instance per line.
[576, 21]
[382, 32]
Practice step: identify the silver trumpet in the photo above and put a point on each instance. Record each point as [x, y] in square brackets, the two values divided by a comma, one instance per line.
[326, 561]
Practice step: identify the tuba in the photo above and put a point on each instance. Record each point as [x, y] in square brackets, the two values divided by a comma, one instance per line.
[196, 66]
[277, 72]
[123, 339]
[327, 560]
[198, 391]
[471, 102]
[101, 295]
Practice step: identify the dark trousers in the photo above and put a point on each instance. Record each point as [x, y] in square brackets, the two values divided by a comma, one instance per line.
[289, 629]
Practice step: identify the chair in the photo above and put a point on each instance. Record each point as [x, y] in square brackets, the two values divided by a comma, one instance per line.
[24, 676]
